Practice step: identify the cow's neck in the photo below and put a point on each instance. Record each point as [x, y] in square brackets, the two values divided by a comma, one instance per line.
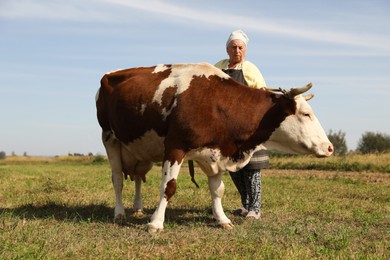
[270, 114]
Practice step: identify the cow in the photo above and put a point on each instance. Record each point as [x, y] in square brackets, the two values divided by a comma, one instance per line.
[177, 112]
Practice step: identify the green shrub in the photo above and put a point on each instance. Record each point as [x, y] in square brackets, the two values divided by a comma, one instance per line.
[99, 159]
[371, 142]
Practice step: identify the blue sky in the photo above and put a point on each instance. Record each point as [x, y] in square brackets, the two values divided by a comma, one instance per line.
[53, 54]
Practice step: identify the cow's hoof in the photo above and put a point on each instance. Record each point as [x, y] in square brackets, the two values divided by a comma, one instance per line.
[154, 230]
[120, 219]
[226, 225]
[138, 213]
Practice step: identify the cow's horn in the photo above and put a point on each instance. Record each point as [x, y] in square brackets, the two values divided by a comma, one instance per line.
[296, 91]
[308, 96]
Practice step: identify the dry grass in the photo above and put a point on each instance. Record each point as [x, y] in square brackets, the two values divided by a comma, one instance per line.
[379, 159]
[351, 162]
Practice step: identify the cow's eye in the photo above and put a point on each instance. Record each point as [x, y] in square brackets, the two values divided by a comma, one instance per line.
[306, 114]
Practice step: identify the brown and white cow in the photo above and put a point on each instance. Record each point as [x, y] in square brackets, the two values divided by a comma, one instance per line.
[170, 113]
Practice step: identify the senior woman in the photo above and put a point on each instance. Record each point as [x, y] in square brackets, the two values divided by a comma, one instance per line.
[248, 179]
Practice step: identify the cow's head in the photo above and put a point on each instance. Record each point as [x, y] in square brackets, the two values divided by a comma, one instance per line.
[300, 132]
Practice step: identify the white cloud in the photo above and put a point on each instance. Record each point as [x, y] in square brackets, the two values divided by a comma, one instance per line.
[112, 11]
[257, 24]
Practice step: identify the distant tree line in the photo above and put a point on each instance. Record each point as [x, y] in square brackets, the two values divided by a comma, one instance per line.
[3, 155]
[79, 154]
[369, 142]
[374, 143]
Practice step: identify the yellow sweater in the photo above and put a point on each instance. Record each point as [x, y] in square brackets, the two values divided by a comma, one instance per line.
[251, 73]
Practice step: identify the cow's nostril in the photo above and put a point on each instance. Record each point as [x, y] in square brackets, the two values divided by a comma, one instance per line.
[330, 148]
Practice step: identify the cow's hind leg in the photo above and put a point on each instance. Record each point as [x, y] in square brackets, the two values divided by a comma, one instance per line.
[168, 189]
[140, 171]
[113, 149]
[217, 188]
[137, 205]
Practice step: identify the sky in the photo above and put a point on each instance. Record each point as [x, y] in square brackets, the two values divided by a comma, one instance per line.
[53, 54]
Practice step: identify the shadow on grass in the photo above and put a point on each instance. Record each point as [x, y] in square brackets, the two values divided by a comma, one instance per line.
[100, 213]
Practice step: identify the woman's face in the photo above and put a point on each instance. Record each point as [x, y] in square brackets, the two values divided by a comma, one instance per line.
[236, 51]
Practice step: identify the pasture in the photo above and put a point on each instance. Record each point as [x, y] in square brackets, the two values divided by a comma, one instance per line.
[63, 209]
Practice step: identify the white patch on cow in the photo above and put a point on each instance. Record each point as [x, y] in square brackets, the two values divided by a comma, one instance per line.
[160, 68]
[181, 77]
[213, 162]
[149, 147]
[165, 113]
[113, 71]
[142, 110]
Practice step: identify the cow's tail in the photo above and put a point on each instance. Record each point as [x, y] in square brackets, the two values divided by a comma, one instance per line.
[192, 172]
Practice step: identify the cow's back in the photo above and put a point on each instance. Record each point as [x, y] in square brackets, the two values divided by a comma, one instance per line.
[125, 103]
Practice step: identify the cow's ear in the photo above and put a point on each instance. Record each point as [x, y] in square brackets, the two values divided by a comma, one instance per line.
[308, 96]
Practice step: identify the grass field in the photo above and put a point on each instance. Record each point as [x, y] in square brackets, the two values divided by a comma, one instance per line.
[63, 209]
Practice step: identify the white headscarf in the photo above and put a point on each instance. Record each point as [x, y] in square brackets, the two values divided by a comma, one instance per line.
[238, 35]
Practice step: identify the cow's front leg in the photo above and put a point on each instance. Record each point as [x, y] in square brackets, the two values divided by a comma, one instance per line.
[217, 188]
[168, 188]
